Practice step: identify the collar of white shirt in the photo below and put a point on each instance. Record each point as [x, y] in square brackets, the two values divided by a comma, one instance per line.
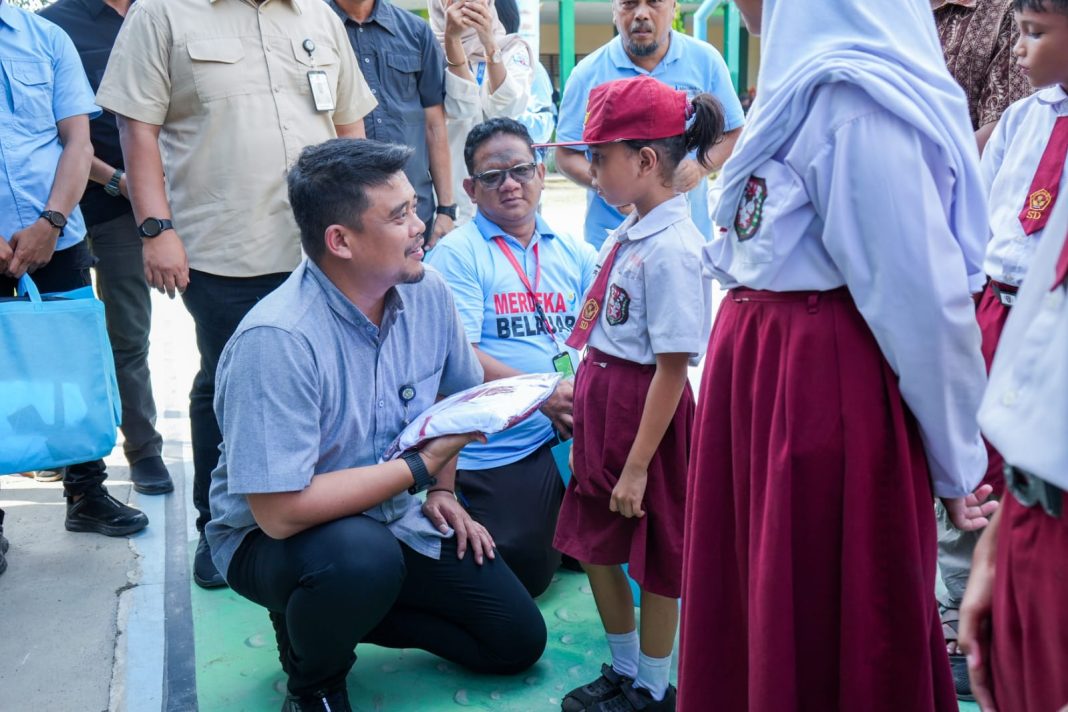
[1052, 95]
[659, 218]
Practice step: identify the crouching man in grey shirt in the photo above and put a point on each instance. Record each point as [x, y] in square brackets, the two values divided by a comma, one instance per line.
[316, 382]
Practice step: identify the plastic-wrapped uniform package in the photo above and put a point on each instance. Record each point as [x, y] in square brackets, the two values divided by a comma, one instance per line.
[487, 408]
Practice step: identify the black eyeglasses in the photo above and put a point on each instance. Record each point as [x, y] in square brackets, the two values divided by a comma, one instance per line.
[522, 173]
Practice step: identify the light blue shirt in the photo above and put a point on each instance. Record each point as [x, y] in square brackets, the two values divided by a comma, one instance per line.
[43, 82]
[540, 114]
[690, 65]
[307, 385]
[498, 316]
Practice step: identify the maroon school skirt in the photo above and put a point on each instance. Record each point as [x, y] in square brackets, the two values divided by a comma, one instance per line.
[809, 572]
[1030, 638]
[992, 314]
[609, 399]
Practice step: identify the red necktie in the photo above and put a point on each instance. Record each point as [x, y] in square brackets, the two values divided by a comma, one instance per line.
[592, 306]
[1061, 275]
[1047, 181]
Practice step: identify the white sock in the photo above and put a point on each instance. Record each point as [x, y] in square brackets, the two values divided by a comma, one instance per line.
[653, 675]
[624, 647]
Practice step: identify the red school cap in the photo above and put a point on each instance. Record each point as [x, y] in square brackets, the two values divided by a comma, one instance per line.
[636, 109]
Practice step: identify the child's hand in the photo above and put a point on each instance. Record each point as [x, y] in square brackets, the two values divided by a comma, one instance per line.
[629, 492]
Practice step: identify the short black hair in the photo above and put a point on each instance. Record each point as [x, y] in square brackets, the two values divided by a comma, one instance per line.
[487, 130]
[508, 14]
[328, 185]
[1060, 6]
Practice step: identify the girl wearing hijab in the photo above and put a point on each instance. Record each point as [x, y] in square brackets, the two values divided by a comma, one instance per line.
[843, 374]
[489, 75]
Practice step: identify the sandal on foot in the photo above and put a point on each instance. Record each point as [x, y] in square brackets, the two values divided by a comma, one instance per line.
[958, 664]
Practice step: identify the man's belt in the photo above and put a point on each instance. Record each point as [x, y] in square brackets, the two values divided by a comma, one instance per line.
[1006, 293]
[1030, 490]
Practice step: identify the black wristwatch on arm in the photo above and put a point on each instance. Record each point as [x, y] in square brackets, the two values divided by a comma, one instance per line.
[152, 227]
[421, 475]
[55, 218]
[447, 210]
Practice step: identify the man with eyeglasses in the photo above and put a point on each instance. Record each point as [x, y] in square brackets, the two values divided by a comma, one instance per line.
[517, 285]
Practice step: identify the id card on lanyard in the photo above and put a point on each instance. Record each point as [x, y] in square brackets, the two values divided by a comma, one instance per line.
[562, 363]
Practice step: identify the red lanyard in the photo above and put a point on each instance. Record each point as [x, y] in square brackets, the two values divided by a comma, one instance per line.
[532, 291]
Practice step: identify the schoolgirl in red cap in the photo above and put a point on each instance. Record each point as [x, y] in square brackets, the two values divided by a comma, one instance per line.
[644, 321]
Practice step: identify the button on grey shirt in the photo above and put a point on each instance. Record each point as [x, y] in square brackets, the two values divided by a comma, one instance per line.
[309, 385]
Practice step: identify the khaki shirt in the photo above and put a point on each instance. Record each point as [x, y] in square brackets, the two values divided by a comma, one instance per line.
[227, 80]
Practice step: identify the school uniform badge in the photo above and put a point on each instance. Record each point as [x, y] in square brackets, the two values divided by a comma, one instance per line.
[618, 306]
[751, 210]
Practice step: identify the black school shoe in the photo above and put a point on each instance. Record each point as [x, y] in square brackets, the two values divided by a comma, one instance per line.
[205, 574]
[335, 700]
[603, 688]
[150, 476]
[99, 512]
[637, 699]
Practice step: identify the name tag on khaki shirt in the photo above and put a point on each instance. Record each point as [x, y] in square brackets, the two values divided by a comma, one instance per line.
[320, 89]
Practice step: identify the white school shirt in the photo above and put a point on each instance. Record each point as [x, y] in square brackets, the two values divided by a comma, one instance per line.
[656, 301]
[1025, 410]
[1008, 167]
[856, 197]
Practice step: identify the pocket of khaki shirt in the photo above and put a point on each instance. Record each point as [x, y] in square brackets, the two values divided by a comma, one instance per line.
[31, 88]
[217, 68]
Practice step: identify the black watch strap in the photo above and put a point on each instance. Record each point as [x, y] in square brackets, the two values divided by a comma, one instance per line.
[447, 210]
[421, 475]
[152, 227]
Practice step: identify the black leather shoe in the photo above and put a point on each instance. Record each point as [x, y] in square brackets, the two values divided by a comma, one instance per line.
[204, 572]
[99, 512]
[335, 700]
[150, 476]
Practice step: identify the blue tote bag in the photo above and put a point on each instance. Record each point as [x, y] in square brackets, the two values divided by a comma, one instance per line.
[59, 398]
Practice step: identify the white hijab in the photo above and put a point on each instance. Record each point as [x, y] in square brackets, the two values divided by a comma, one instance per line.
[888, 48]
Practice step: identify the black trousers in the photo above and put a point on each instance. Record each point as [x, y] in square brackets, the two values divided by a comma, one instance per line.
[518, 504]
[67, 270]
[217, 305]
[350, 581]
[121, 285]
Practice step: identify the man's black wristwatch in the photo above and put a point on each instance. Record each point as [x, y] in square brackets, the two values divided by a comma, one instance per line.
[422, 476]
[152, 227]
[112, 186]
[55, 218]
[447, 210]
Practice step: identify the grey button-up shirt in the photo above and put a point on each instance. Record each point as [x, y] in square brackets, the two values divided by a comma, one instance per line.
[309, 385]
[405, 68]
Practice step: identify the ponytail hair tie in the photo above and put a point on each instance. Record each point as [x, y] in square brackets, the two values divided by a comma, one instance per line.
[691, 109]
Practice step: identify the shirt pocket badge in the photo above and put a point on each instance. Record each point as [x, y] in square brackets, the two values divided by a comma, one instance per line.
[618, 309]
[751, 209]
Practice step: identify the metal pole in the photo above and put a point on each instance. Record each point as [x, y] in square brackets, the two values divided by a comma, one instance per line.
[736, 48]
[567, 40]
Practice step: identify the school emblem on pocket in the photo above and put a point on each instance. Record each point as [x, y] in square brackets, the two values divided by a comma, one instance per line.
[751, 210]
[618, 306]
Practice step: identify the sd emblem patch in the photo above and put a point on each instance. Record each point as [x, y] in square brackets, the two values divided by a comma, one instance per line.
[751, 210]
[618, 306]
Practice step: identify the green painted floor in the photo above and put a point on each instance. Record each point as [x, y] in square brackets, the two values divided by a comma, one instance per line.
[237, 663]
